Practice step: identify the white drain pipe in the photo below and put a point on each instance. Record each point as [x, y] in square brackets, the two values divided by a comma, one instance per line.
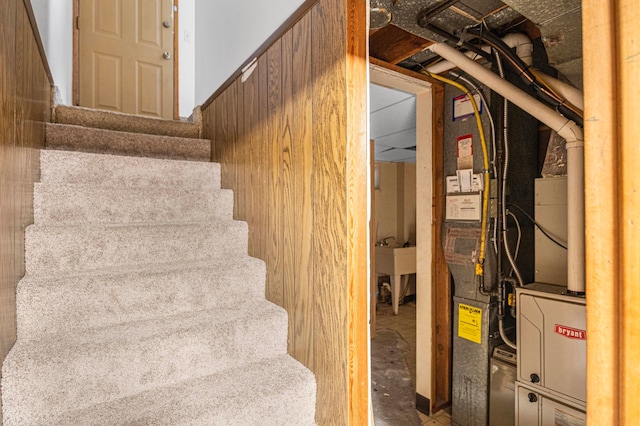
[524, 50]
[522, 44]
[567, 129]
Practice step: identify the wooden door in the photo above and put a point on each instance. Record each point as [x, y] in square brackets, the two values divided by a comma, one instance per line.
[126, 56]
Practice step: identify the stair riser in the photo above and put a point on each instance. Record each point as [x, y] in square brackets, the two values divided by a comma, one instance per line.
[124, 122]
[55, 250]
[76, 304]
[287, 400]
[77, 138]
[77, 205]
[77, 168]
[57, 382]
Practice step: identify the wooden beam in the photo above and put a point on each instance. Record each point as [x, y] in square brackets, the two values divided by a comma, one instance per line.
[611, 80]
[393, 44]
[357, 200]
[627, 41]
[404, 71]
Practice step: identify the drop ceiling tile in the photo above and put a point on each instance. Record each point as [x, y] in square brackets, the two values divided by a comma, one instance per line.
[403, 139]
[397, 155]
[393, 119]
[381, 97]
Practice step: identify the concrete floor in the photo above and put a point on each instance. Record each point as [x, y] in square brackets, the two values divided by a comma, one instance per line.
[396, 344]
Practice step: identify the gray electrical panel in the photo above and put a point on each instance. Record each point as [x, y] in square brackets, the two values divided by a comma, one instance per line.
[552, 355]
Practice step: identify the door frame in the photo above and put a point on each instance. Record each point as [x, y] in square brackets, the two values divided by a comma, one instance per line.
[76, 63]
[429, 214]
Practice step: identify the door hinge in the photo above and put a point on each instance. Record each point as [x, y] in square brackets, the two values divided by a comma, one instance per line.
[77, 22]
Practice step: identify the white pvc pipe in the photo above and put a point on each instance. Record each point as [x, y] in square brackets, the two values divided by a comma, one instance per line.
[522, 44]
[567, 129]
[443, 66]
[567, 91]
[524, 50]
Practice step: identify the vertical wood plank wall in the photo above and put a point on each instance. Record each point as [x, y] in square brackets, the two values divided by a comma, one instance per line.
[612, 207]
[443, 325]
[292, 143]
[25, 90]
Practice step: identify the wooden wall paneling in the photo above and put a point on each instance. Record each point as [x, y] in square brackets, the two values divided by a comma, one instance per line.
[33, 93]
[231, 138]
[329, 205]
[207, 129]
[241, 155]
[306, 201]
[250, 104]
[222, 146]
[8, 125]
[288, 183]
[356, 184]
[25, 92]
[274, 247]
[302, 342]
[263, 146]
[604, 286]
[442, 284]
[628, 43]
[213, 116]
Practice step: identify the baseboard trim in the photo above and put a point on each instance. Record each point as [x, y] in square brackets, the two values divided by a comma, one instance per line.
[423, 404]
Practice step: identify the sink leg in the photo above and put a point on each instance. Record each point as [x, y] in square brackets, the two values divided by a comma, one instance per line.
[395, 292]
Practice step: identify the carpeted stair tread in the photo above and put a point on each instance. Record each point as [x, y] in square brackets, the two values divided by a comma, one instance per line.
[76, 204]
[118, 121]
[82, 369]
[140, 304]
[54, 249]
[102, 170]
[274, 392]
[67, 304]
[77, 138]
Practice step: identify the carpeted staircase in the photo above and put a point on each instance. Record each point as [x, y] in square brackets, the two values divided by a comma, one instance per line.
[140, 305]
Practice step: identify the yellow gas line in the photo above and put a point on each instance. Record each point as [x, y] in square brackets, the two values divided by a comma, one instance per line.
[485, 157]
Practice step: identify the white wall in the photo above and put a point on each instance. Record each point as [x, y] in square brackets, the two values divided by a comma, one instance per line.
[54, 19]
[228, 33]
[223, 36]
[186, 56]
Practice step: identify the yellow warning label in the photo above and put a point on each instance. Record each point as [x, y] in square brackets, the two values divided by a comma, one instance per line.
[470, 323]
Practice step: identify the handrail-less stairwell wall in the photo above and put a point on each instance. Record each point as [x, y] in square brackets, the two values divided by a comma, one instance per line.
[291, 138]
[25, 90]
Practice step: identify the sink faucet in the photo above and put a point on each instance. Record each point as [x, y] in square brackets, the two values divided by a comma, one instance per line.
[384, 241]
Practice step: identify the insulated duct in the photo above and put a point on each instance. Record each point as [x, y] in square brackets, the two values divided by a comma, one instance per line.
[567, 129]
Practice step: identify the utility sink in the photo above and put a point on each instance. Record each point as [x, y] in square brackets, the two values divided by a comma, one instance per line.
[396, 261]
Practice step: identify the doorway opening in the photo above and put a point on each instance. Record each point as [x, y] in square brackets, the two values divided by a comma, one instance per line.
[432, 361]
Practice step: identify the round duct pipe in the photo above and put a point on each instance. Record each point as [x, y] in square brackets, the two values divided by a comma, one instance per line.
[379, 13]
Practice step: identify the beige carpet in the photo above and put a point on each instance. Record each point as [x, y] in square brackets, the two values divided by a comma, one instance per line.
[140, 305]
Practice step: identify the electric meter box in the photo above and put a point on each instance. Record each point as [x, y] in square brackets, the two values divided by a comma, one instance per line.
[552, 342]
[535, 408]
